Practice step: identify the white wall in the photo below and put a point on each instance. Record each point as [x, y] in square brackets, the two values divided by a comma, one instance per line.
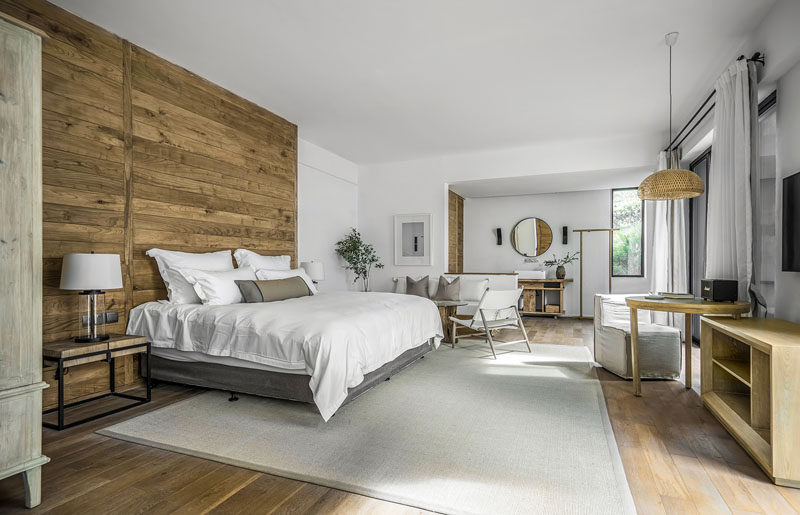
[787, 284]
[576, 210]
[420, 186]
[327, 205]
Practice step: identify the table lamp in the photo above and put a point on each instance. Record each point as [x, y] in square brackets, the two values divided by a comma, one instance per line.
[315, 270]
[91, 274]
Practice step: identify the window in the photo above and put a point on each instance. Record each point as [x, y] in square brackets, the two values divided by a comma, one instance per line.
[627, 215]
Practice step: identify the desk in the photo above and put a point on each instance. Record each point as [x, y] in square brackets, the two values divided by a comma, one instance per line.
[688, 307]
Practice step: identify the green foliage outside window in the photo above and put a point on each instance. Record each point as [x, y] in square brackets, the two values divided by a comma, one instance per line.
[627, 216]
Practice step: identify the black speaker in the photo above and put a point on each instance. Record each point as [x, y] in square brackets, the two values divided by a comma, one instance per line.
[564, 235]
[720, 290]
[499, 233]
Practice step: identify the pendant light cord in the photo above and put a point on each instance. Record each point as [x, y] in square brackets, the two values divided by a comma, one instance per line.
[669, 147]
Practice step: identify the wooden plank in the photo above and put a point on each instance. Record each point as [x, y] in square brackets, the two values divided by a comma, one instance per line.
[69, 53]
[204, 241]
[127, 124]
[170, 210]
[64, 26]
[70, 196]
[163, 115]
[223, 175]
[103, 98]
[208, 189]
[167, 80]
[165, 157]
[144, 132]
[159, 223]
[76, 232]
[76, 109]
[159, 190]
[85, 147]
[95, 215]
[75, 127]
[55, 249]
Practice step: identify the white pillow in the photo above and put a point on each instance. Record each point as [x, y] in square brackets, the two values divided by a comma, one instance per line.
[271, 275]
[169, 261]
[258, 262]
[472, 289]
[218, 288]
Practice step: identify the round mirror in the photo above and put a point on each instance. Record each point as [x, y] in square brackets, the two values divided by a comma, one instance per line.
[531, 237]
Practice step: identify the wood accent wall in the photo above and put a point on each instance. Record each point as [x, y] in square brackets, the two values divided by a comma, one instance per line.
[141, 153]
[455, 244]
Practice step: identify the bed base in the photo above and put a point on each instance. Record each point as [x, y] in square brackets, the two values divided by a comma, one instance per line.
[267, 383]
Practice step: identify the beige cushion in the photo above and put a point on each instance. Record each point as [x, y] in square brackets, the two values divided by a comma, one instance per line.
[448, 290]
[418, 288]
[273, 290]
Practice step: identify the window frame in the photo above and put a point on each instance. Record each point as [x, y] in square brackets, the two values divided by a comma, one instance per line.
[641, 254]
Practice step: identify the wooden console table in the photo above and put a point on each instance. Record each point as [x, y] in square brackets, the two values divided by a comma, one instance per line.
[535, 296]
[688, 307]
[750, 382]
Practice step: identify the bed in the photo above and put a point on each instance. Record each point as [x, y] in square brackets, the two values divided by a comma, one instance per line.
[326, 348]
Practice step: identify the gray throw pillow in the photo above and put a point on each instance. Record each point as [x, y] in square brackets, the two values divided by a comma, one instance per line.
[418, 288]
[448, 290]
[271, 291]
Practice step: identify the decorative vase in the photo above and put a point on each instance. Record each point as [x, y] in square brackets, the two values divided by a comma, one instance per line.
[561, 272]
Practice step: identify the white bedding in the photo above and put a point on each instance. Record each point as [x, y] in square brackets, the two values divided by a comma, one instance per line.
[198, 357]
[336, 337]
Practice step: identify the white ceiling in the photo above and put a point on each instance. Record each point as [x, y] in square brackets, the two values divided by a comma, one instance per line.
[385, 80]
[552, 183]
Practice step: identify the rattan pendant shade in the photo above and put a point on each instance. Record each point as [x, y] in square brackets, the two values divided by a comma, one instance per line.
[671, 184]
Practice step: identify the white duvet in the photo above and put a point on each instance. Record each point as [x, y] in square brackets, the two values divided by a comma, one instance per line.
[336, 337]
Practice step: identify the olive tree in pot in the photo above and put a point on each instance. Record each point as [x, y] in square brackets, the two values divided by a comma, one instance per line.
[359, 256]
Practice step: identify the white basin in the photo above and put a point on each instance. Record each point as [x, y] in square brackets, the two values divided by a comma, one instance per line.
[530, 274]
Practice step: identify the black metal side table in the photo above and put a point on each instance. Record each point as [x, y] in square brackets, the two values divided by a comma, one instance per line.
[67, 353]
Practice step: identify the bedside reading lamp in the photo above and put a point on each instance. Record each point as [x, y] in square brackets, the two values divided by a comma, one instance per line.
[315, 270]
[92, 273]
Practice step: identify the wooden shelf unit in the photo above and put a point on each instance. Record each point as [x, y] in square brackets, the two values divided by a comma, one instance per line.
[751, 383]
[535, 298]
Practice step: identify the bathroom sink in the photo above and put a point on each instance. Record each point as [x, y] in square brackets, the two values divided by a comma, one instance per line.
[530, 274]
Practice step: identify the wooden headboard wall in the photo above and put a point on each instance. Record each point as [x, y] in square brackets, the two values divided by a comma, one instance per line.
[140, 153]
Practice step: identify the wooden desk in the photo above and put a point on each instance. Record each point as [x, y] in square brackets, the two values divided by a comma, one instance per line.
[688, 307]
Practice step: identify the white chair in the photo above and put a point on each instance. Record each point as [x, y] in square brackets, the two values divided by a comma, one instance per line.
[497, 309]
[659, 345]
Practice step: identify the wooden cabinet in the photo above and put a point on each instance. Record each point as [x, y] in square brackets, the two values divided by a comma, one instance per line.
[21, 257]
[750, 382]
[543, 296]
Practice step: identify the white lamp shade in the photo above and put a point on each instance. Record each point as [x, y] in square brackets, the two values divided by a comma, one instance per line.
[314, 269]
[91, 272]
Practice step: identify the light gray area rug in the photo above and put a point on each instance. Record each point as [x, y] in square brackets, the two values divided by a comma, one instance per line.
[456, 432]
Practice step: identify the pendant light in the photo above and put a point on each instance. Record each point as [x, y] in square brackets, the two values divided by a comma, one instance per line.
[674, 182]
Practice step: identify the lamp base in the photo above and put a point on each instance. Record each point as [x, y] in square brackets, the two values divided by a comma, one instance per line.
[98, 338]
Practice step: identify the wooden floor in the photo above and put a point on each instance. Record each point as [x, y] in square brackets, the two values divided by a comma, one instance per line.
[677, 457]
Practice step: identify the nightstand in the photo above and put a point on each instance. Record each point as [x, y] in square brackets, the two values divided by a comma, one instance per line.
[67, 353]
[447, 309]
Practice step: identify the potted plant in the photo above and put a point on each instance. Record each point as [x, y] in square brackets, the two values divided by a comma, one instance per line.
[559, 263]
[359, 256]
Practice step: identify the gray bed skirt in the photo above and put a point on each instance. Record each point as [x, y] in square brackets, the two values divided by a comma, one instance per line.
[267, 383]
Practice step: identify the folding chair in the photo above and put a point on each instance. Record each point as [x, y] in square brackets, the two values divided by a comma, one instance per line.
[496, 310]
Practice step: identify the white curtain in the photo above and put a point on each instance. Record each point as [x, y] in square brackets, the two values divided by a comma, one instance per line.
[669, 260]
[729, 240]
